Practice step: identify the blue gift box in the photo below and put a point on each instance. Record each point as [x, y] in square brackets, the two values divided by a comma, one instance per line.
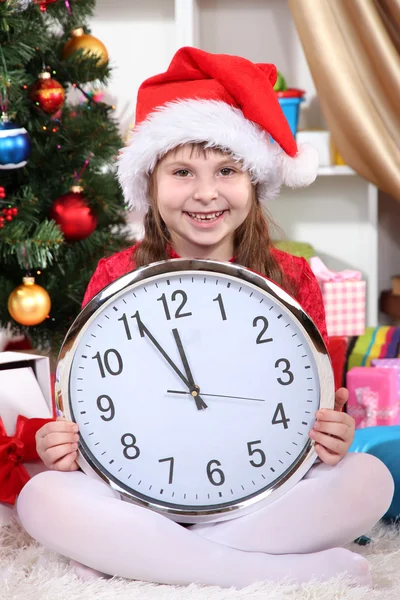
[384, 443]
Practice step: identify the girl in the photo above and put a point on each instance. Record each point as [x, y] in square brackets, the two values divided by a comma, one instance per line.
[201, 163]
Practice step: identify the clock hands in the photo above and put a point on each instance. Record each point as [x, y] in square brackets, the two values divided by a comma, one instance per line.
[194, 389]
[188, 380]
[218, 396]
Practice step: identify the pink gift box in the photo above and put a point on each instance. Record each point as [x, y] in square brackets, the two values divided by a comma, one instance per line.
[343, 293]
[372, 396]
[389, 363]
[344, 303]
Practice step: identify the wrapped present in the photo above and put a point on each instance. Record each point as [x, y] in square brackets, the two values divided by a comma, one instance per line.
[372, 396]
[25, 406]
[389, 363]
[384, 443]
[376, 342]
[343, 293]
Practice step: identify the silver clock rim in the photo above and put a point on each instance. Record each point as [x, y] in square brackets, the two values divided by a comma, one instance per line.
[298, 468]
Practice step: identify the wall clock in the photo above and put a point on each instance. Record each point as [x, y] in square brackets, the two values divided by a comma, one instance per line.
[195, 384]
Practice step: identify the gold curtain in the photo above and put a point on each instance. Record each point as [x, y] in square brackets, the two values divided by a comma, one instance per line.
[353, 51]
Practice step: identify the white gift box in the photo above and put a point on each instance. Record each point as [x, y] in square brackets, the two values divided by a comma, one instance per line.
[321, 140]
[25, 389]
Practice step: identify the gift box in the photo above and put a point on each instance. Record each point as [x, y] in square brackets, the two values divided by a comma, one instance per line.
[384, 443]
[376, 342]
[25, 406]
[389, 363]
[372, 396]
[343, 294]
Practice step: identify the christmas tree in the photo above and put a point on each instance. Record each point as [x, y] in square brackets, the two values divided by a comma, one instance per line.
[61, 208]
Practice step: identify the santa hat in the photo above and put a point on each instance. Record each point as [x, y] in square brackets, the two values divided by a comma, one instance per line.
[225, 101]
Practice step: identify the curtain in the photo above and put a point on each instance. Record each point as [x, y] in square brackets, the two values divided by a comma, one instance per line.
[353, 51]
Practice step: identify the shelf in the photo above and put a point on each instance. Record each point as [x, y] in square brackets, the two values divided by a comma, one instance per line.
[336, 170]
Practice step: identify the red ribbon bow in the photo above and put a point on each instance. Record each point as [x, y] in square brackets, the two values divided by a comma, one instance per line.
[14, 450]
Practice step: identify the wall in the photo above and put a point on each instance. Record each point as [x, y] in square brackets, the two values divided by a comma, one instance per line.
[141, 39]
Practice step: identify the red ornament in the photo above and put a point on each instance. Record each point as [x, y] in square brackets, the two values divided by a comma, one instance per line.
[47, 93]
[7, 213]
[72, 213]
[43, 4]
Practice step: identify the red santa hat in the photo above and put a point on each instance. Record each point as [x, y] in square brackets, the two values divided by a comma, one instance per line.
[225, 101]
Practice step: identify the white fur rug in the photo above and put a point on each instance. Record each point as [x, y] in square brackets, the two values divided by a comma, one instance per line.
[30, 572]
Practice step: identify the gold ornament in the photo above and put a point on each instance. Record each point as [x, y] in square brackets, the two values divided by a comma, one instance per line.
[84, 41]
[29, 303]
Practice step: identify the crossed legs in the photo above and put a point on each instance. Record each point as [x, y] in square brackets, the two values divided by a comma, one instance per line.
[296, 537]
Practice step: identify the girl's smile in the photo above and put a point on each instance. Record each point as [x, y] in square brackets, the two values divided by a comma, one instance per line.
[205, 220]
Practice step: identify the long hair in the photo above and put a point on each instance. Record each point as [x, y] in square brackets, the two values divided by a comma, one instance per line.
[252, 241]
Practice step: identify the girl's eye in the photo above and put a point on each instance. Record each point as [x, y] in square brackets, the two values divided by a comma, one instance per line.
[225, 171]
[182, 173]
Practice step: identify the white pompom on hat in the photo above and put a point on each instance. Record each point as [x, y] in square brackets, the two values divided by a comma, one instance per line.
[223, 101]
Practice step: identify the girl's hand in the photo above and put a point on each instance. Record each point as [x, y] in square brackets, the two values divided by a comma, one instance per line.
[57, 443]
[333, 430]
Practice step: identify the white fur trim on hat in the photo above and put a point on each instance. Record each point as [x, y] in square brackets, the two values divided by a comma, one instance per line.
[218, 125]
[301, 170]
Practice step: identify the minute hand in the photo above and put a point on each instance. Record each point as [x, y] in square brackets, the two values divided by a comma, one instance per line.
[219, 396]
[144, 329]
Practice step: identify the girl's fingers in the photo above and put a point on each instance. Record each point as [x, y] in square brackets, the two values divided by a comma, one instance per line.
[339, 430]
[326, 456]
[56, 427]
[327, 414]
[341, 397]
[67, 463]
[329, 442]
[57, 439]
[52, 455]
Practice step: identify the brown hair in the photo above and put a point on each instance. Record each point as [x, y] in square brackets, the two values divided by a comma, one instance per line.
[252, 241]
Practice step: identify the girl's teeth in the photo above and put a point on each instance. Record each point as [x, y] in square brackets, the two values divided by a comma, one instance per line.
[209, 217]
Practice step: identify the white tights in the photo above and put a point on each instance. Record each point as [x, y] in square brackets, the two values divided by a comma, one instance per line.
[296, 537]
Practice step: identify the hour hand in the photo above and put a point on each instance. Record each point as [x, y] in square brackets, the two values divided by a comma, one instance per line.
[195, 388]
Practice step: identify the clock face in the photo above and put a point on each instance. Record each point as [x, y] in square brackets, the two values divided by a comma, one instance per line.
[195, 390]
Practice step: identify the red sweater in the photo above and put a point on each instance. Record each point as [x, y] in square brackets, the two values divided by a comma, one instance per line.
[308, 293]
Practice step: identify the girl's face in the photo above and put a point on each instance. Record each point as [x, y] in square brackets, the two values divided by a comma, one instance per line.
[202, 197]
